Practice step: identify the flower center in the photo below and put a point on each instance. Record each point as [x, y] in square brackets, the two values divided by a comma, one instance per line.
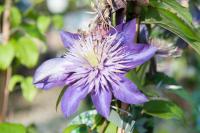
[92, 58]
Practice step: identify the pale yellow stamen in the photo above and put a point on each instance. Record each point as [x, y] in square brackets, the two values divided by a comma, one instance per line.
[92, 58]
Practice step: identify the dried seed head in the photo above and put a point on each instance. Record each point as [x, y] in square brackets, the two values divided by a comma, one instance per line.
[165, 48]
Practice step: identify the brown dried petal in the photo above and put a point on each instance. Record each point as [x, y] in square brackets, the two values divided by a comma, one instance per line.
[116, 4]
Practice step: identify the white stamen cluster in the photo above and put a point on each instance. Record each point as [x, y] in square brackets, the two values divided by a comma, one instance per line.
[96, 61]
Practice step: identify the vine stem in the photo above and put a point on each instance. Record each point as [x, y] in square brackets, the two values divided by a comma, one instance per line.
[125, 105]
[136, 38]
[5, 75]
[104, 126]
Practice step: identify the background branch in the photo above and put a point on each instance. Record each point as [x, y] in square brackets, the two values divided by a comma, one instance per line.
[5, 75]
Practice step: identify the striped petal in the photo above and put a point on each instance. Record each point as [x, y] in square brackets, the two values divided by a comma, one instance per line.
[72, 98]
[127, 29]
[52, 73]
[102, 100]
[139, 54]
[69, 38]
[127, 92]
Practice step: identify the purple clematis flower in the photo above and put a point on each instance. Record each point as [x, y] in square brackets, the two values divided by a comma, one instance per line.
[96, 65]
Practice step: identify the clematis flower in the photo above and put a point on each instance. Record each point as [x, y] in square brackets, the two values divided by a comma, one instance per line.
[96, 64]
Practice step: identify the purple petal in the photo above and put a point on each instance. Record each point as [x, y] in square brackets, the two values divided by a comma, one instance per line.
[127, 29]
[52, 73]
[127, 92]
[69, 38]
[72, 98]
[102, 101]
[140, 53]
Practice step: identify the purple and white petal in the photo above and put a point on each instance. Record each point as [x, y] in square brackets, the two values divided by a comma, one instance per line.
[140, 54]
[69, 38]
[96, 65]
[125, 29]
[102, 100]
[127, 92]
[52, 73]
[72, 98]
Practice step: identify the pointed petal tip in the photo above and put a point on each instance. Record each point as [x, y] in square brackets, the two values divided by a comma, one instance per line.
[67, 113]
[36, 82]
[40, 86]
[37, 85]
[106, 115]
[35, 78]
[143, 99]
[48, 75]
[128, 92]
[63, 33]
[68, 38]
[102, 102]
[140, 98]
[72, 98]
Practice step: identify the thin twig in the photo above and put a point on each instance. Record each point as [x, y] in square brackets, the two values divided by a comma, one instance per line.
[125, 106]
[137, 30]
[6, 24]
[5, 75]
[104, 126]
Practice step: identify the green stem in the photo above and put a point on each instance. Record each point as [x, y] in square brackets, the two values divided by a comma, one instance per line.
[96, 123]
[137, 30]
[132, 12]
[104, 126]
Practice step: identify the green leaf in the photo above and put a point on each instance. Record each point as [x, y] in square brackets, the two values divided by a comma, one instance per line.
[169, 85]
[1, 9]
[98, 121]
[31, 129]
[43, 23]
[27, 52]
[32, 31]
[60, 96]
[28, 89]
[163, 109]
[175, 7]
[161, 78]
[16, 17]
[126, 123]
[184, 94]
[87, 117]
[111, 128]
[37, 1]
[13, 81]
[172, 22]
[6, 55]
[12, 128]
[132, 75]
[58, 21]
[138, 75]
[82, 128]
